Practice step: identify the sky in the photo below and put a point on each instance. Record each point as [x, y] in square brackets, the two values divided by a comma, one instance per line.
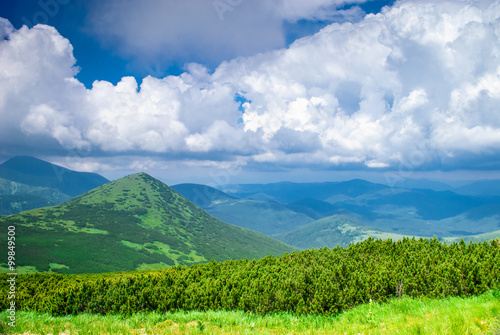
[246, 91]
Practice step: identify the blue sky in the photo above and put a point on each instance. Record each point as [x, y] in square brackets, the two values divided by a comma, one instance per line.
[99, 60]
[248, 91]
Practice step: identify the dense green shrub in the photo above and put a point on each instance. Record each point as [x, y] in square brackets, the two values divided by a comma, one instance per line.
[322, 281]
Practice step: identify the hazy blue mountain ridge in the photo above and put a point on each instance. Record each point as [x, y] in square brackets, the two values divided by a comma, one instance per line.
[27, 183]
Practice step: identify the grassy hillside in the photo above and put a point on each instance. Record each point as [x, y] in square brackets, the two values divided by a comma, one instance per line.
[136, 222]
[332, 231]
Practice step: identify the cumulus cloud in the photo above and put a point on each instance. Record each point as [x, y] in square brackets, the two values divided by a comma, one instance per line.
[38, 91]
[417, 84]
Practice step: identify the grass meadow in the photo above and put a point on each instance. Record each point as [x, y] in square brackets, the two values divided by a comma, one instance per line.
[475, 315]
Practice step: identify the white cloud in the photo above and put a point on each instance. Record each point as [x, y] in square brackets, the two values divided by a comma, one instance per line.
[312, 9]
[207, 31]
[158, 32]
[368, 93]
[123, 118]
[38, 91]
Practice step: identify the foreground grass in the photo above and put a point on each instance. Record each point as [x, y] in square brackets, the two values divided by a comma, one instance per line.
[477, 315]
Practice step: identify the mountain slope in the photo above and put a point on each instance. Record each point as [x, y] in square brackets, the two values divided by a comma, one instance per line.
[35, 172]
[265, 217]
[332, 231]
[481, 188]
[202, 195]
[314, 208]
[421, 212]
[17, 197]
[474, 238]
[135, 222]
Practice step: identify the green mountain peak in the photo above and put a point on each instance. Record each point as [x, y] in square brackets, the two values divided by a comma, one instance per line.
[136, 222]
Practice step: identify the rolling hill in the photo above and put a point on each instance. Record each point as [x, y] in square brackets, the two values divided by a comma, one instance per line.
[135, 222]
[314, 208]
[384, 210]
[332, 231]
[263, 216]
[474, 238]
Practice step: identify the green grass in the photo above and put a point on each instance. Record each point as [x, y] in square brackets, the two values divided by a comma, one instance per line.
[476, 315]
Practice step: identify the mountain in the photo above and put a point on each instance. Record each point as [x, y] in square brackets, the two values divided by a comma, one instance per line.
[481, 188]
[314, 208]
[135, 222]
[332, 231]
[428, 204]
[16, 197]
[420, 184]
[263, 216]
[474, 238]
[27, 183]
[202, 195]
[286, 192]
[407, 211]
[35, 172]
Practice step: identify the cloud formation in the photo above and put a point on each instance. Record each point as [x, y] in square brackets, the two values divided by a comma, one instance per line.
[418, 84]
[205, 31]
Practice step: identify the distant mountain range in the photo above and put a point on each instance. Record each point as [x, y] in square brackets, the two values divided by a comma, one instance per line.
[27, 183]
[333, 231]
[481, 188]
[286, 192]
[265, 217]
[135, 222]
[386, 210]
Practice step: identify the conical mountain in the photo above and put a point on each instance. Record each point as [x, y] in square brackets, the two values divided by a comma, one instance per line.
[136, 222]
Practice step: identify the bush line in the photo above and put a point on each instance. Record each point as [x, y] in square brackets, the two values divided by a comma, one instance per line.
[318, 281]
